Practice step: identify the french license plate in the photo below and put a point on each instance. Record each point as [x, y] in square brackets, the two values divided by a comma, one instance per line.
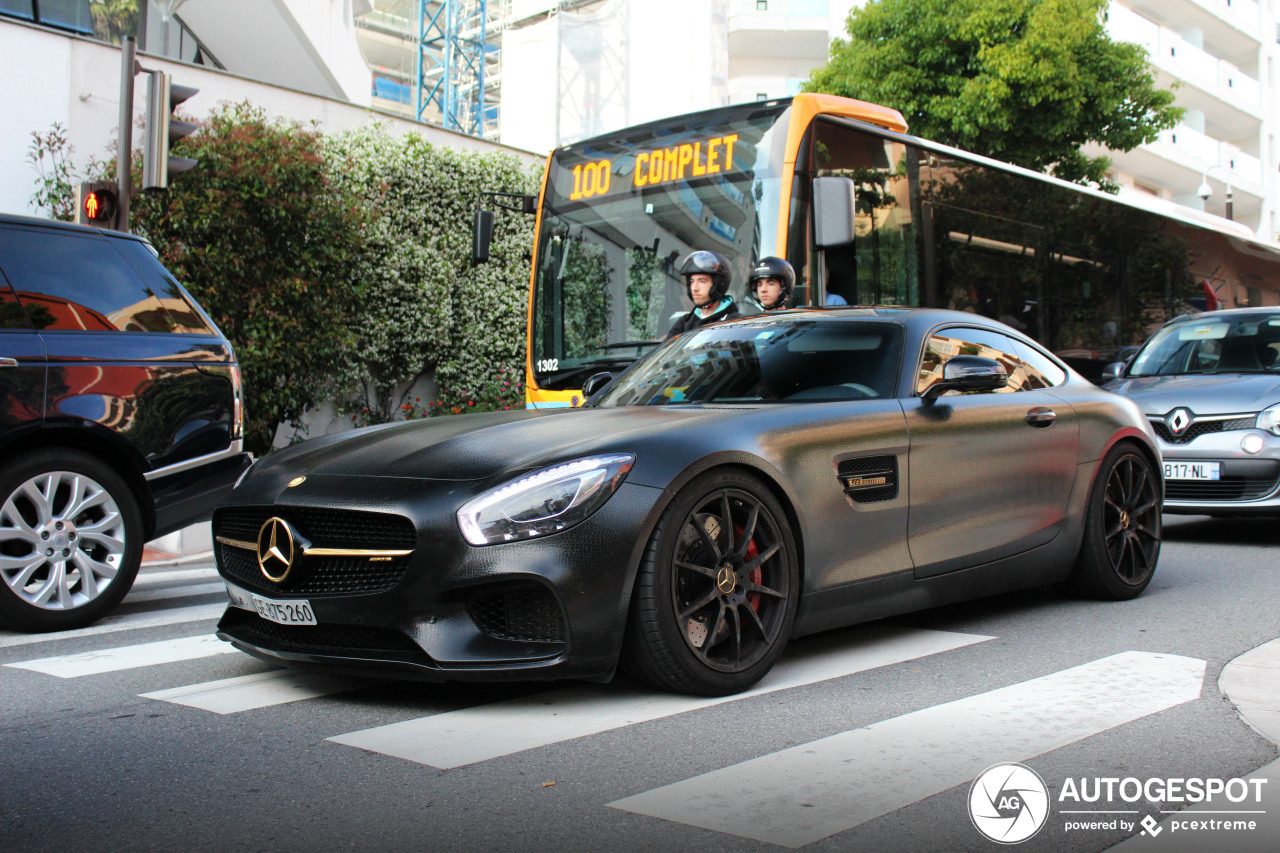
[295, 612]
[1193, 470]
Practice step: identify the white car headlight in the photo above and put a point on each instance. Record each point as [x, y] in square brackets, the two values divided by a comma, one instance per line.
[1269, 419]
[543, 502]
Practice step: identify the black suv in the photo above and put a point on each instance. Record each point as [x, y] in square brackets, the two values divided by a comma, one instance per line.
[120, 417]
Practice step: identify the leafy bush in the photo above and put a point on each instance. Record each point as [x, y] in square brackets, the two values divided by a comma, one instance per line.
[265, 240]
[423, 305]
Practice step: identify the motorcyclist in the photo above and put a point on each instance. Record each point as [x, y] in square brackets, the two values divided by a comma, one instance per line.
[707, 278]
[770, 285]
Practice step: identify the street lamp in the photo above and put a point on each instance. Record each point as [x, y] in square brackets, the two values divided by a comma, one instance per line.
[1206, 191]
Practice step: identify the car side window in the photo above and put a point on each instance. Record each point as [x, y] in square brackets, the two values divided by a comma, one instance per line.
[946, 343]
[70, 281]
[1040, 370]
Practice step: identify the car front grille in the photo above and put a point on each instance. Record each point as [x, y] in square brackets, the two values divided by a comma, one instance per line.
[518, 611]
[1226, 489]
[323, 527]
[348, 641]
[1202, 427]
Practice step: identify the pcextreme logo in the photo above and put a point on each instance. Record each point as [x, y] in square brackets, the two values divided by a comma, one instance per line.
[1009, 803]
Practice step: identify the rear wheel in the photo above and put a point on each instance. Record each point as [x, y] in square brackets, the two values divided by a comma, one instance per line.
[70, 540]
[717, 591]
[1122, 529]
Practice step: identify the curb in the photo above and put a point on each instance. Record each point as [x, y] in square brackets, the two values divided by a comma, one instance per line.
[202, 557]
[1252, 683]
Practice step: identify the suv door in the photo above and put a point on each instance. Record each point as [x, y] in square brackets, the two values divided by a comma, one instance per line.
[22, 368]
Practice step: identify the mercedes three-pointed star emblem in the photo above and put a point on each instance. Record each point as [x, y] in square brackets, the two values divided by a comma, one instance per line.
[276, 549]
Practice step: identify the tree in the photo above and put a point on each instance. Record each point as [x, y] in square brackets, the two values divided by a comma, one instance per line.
[1024, 81]
[264, 241]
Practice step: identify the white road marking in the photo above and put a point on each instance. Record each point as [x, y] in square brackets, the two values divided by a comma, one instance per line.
[260, 690]
[135, 597]
[150, 578]
[127, 657]
[809, 792]
[478, 734]
[128, 622]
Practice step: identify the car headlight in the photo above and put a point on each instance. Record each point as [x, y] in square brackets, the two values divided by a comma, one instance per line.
[1269, 419]
[543, 502]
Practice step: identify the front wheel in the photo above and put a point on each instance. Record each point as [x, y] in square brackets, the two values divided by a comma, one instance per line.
[1122, 529]
[717, 590]
[70, 540]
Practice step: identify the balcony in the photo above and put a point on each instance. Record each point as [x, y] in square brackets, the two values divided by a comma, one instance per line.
[782, 29]
[1230, 27]
[1230, 99]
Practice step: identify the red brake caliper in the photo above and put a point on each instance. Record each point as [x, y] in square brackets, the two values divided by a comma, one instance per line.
[756, 576]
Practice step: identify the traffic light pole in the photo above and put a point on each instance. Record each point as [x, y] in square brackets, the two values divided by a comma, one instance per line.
[124, 156]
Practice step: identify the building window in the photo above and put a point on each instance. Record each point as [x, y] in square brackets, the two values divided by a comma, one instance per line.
[762, 6]
[762, 96]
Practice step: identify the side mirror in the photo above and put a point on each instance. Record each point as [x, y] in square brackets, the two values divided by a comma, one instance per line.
[1114, 370]
[595, 383]
[481, 236]
[833, 212]
[969, 373]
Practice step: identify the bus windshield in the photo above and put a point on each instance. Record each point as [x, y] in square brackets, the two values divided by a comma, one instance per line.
[620, 212]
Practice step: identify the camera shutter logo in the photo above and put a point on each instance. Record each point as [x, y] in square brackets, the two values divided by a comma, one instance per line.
[1009, 803]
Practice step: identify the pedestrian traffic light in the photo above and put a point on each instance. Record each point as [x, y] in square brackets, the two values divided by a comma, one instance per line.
[163, 130]
[98, 204]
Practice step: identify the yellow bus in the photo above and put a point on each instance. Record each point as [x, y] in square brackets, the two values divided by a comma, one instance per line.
[867, 215]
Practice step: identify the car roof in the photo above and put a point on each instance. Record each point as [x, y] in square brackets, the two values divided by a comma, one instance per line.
[1226, 313]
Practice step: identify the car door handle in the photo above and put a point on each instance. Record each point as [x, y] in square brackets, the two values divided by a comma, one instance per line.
[1041, 416]
[8, 362]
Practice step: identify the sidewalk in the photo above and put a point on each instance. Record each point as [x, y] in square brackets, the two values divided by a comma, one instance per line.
[1252, 682]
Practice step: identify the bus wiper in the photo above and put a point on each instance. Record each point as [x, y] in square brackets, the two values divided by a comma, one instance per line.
[627, 344]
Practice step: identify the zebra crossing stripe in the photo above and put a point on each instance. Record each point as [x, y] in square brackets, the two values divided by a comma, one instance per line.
[127, 657]
[477, 734]
[259, 690]
[809, 792]
[150, 577]
[138, 597]
[122, 622]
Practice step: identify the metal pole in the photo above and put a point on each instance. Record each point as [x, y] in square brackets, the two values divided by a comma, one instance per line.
[124, 156]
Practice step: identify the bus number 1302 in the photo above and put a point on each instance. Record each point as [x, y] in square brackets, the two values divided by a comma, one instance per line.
[548, 365]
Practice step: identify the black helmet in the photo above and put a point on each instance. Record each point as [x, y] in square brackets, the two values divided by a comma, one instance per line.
[773, 268]
[713, 264]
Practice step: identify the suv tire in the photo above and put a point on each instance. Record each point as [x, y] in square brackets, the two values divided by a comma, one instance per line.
[70, 540]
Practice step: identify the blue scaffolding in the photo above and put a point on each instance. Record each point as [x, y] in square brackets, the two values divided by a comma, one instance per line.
[450, 65]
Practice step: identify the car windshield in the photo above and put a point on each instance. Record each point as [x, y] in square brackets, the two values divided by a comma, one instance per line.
[765, 360]
[1242, 343]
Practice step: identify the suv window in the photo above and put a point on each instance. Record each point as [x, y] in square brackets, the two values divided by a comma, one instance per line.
[69, 281]
[11, 314]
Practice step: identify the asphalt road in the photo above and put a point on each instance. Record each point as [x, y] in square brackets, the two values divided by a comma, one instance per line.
[863, 739]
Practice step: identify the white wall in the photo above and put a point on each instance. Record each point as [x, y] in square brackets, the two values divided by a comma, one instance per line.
[52, 77]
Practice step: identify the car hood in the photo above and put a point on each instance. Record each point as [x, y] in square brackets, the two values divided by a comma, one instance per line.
[1204, 394]
[474, 447]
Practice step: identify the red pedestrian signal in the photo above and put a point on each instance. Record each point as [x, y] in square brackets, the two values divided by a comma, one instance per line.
[99, 204]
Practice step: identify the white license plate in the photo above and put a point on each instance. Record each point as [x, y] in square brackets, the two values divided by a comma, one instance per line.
[1193, 470]
[294, 612]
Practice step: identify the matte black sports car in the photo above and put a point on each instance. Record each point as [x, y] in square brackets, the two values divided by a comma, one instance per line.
[741, 485]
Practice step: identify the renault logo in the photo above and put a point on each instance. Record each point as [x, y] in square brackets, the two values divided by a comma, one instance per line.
[1177, 421]
[726, 580]
[275, 549]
